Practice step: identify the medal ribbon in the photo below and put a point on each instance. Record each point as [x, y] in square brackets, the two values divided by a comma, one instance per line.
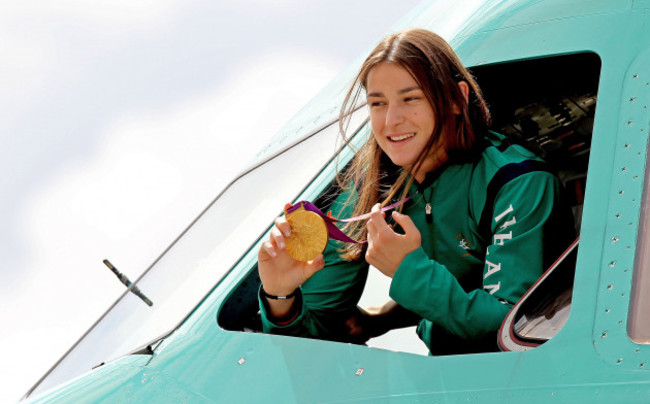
[333, 231]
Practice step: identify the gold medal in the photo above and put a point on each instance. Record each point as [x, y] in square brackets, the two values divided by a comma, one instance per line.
[308, 234]
[311, 228]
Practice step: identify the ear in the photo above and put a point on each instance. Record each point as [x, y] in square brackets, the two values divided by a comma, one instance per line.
[464, 89]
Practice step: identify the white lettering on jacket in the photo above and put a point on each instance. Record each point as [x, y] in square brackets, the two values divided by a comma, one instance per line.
[492, 288]
[508, 223]
[492, 269]
[499, 239]
[510, 209]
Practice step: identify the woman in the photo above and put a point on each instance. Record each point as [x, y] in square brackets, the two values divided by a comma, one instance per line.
[480, 227]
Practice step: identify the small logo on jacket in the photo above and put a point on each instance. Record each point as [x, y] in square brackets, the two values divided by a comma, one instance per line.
[463, 244]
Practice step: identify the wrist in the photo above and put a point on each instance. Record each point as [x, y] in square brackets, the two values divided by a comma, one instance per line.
[273, 296]
[280, 312]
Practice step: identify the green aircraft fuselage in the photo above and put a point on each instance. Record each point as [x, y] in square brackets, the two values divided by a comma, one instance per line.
[523, 53]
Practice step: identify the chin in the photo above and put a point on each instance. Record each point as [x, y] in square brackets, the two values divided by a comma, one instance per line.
[402, 162]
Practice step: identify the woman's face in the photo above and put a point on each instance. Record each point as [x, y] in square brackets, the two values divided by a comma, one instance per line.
[401, 117]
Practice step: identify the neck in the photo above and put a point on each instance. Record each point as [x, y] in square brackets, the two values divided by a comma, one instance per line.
[430, 164]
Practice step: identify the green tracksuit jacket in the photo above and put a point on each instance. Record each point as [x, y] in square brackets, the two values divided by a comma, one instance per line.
[472, 265]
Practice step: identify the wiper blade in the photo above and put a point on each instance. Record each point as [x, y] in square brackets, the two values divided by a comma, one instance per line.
[127, 282]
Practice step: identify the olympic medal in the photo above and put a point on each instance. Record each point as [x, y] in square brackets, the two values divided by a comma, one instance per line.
[308, 235]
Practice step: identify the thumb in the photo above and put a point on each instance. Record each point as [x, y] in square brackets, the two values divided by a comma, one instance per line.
[406, 223]
[315, 265]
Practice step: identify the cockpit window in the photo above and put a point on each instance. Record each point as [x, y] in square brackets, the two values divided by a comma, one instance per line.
[200, 257]
[542, 312]
[548, 105]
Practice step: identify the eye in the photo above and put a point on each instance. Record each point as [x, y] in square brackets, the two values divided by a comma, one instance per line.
[374, 104]
[412, 98]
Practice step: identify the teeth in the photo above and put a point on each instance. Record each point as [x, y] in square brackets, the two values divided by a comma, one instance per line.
[398, 138]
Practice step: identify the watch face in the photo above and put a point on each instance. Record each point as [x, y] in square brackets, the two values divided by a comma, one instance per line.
[308, 235]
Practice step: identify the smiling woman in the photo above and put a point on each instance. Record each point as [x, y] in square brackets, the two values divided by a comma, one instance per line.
[402, 118]
[483, 221]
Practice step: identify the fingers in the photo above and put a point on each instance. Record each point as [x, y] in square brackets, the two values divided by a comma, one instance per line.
[405, 222]
[278, 234]
[410, 230]
[377, 214]
[269, 249]
[278, 239]
[284, 226]
[376, 224]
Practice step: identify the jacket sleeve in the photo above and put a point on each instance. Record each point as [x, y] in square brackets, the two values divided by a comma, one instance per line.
[513, 262]
[328, 297]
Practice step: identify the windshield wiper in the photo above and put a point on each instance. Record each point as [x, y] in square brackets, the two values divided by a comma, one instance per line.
[125, 280]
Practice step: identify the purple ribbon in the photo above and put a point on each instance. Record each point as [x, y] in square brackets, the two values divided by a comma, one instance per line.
[333, 231]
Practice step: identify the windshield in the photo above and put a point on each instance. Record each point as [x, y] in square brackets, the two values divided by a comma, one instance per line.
[201, 256]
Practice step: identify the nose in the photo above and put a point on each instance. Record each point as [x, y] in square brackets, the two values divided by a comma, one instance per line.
[394, 115]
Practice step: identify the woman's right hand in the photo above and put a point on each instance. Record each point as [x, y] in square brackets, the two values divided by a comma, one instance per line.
[280, 273]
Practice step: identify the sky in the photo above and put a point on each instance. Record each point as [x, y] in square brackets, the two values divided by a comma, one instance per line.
[121, 121]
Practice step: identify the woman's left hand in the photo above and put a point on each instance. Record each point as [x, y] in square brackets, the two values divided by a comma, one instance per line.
[387, 249]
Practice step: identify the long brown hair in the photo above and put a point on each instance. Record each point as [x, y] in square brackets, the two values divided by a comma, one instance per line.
[433, 64]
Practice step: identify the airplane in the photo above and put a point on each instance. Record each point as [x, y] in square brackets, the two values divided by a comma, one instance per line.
[570, 79]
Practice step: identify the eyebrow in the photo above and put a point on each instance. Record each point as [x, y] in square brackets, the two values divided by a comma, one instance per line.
[402, 91]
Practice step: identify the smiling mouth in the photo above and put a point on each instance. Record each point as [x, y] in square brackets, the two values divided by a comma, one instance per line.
[401, 137]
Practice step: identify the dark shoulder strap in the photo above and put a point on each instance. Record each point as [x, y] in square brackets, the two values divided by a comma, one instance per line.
[502, 177]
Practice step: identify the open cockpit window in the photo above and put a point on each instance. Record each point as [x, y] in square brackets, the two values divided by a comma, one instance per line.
[548, 105]
[542, 312]
[545, 104]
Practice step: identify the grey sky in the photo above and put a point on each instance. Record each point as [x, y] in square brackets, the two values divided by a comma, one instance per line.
[121, 121]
